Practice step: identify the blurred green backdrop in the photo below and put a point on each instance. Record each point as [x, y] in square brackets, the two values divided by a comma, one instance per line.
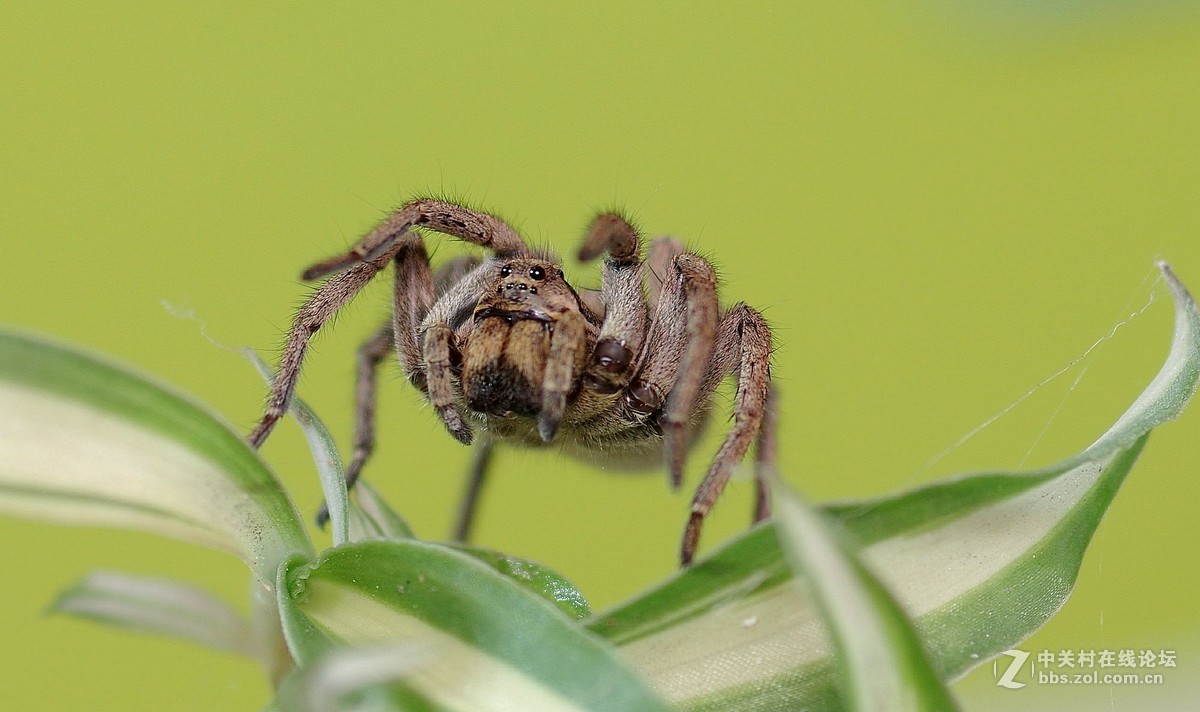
[937, 204]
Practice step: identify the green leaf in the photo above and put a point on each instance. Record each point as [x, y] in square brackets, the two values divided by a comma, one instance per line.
[156, 605]
[372, 518]
[325, 455]
[881, 665]
[978, 563]
[363, 678]
[178, 610]
[537, 578]
[86, 442]
[492, 644]
[305, 640]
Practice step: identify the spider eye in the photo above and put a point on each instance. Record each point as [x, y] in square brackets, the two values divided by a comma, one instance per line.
[505, 271]
[537, 273]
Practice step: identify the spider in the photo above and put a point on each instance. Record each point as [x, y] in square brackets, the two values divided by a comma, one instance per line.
[507, 351]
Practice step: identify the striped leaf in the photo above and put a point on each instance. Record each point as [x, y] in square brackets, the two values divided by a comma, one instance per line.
[156, 605]
[328, 461]
[86, 442]
[978, 564]
[881, 665]
[372, 518]
[353, 679]
[483, 641]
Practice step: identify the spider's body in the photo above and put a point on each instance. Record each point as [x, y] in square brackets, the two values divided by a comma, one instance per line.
[507, 348]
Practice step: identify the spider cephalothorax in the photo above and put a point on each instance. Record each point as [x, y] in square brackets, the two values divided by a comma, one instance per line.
[505, 348]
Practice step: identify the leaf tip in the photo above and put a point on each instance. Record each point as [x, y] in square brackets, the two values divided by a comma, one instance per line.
[1179, 291]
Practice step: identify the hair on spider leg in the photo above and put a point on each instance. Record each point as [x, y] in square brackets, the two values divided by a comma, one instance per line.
[508, 351]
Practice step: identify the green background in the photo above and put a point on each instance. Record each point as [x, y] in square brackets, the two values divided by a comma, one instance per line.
[937, 205]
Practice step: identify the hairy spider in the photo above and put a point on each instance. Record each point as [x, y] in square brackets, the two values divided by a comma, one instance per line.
[622, 376]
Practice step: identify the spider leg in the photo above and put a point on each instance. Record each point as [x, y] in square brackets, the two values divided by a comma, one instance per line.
[355, 269]
[764, 458]
[677, 348]
[743, 347]
[455, 305]
[611, 233]
[457, 221]
[322, 305]
[568, 346]
[439, 344]
[453, 271]
[370, 354]
[624, 298]
[659, 261]
[656, 367]
[592, 301]
[662, 350]
[436, 332]
[699, 283]
[412, 296]
[481, 458]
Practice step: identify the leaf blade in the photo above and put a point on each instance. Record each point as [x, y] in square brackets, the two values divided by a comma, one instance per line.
[372, 518]
[157, 605]
[881, 663]
[531, 575]
[86, 442]
[328, 461]
[493, 644]
[1003, 529]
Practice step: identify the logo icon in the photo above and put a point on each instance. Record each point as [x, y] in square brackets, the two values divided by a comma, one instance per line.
[1006, 680]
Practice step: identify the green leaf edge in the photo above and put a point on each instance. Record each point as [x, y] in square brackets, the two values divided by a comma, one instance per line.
[752, 561]
[326, 458]
[553, 655]
[35, 362]
[881, 664]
